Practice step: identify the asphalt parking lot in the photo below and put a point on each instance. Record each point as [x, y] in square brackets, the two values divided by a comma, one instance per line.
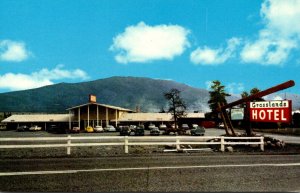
[13, 133]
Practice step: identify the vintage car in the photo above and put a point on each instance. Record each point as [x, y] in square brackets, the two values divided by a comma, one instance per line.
[199, 131]
[162, 127]
[22, 128]
[154, 131]
[125, 130]
[75, 130]
[110, 128]
[221, 126]
[151, 126]
[35, 128]
[139, 131]
[185, 126]
[89, 129]
[99, 129]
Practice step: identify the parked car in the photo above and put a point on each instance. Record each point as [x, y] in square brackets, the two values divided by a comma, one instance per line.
[52, 128]
[173, 126]
[89, 129]
[132, 127]
[185, 126]
[35, 128]
[57, 129]
[151, 126]
[154, 131]
[119, 128]
[221, 125]
[99, 129]
[110, 128]
[200, 131]
[195, 125]
[170, 131]
[22, 128]
[125, 130]
[139, 131]
[2, 127]
[162, 127]
[75, 130]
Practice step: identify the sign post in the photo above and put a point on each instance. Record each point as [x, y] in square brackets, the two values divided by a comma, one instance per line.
[256, 96]
[237, 113]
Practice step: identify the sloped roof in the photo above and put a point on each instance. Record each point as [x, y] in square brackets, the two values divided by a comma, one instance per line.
[103, 105]
[154, 116]
[37, 118]
[195, 115]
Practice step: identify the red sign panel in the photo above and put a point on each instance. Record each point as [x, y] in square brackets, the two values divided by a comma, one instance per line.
[271, 111]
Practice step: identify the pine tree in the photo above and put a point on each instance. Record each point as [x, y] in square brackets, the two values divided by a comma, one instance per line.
[217, 95]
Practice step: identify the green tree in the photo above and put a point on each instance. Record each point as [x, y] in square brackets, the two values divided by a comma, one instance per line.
[244, 94]
[217, 95]
[255, 91]
[177, 106]
[252, 92]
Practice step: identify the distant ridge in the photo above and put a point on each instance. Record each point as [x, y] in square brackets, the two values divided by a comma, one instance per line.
[127, 92]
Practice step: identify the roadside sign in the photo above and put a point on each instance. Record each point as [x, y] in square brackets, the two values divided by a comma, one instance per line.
[271, 111]
[92, 98]
[237, 114]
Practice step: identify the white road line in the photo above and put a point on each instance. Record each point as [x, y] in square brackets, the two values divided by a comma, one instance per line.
[143, 168]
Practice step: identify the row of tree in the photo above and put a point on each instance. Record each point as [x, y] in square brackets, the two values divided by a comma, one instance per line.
[217, 93]
[177, 106]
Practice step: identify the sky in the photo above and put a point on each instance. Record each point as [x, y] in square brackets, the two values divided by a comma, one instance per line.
[242, 43]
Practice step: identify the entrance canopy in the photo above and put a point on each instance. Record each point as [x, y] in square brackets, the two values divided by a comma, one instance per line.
[101, 105]
[92, 113]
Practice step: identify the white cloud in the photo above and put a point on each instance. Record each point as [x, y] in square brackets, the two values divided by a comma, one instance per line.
[280, 35]
[267, 51]
[43, 77]
[208, 56]
[59, 73]
[282, 16]
[13, 51]
[235, 88]
[144, 43]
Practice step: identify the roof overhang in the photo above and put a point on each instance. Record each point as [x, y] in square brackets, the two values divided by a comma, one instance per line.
[37, 118]
[154, 117]
[101, 105]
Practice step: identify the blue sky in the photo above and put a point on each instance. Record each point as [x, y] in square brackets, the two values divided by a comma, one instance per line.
[244, 44]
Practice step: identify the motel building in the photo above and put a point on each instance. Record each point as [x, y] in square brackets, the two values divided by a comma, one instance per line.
[93, 114]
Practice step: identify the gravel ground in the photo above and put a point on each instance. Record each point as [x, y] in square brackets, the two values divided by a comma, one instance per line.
[100, 151]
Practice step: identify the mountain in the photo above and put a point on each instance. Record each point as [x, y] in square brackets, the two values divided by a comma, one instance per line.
[127, 92]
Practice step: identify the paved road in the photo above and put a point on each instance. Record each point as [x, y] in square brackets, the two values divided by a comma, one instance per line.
[184, 172]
